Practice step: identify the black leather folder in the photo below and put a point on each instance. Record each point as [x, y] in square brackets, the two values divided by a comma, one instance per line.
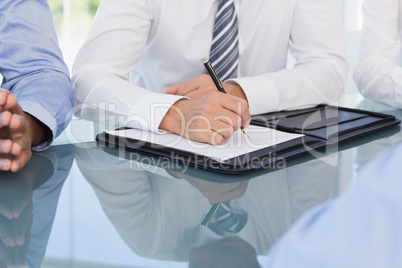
[322, 126]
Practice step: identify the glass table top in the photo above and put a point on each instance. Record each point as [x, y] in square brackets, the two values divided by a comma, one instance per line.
[80, 205]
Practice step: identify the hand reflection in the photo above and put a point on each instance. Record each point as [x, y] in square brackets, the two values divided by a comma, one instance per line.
[15, 222]
[16, 211]
[215, 192]
[15, 237]
[15, 195]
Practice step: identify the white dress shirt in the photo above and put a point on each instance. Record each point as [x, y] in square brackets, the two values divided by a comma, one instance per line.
[137, 49]
[378, 73]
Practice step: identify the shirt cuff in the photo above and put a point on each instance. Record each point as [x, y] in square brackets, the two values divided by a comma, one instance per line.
[37, 111]
[150, 109]
[260, 92]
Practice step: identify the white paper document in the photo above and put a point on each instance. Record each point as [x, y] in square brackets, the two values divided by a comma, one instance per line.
[238, 144]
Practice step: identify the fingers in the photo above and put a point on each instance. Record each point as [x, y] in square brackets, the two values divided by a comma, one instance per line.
[21, 160]
[173, 90]
[5, 119]
[3, 96]
[15, 123]
[204, 127]
[211, 119]
[238, 106]
[9, 162]
[223, 127]
[21, 224]
[7, 100]
[19, 154]
[5, 146]
[235, 110]
[11, 102]
[5, 164]
[15, 147]
[194, 88]
[200, 128]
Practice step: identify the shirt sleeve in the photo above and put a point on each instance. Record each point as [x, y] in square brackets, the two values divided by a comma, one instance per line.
[101, 73]
[317, 44]
[32, 64]
[377, 73]
[359, 229]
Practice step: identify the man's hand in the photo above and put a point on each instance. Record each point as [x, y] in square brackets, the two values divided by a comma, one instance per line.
[209, 116]
[18, 132]
[202, 85]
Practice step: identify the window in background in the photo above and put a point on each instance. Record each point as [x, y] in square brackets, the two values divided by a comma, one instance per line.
[73, 19]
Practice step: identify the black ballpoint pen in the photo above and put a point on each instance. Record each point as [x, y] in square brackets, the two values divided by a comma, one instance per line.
[218, 83]
[210, 214]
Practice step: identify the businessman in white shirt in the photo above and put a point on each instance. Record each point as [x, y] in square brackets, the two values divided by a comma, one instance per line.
[137, 51]
[378, 73]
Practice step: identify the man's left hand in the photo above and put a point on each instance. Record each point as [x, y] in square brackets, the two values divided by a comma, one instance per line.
[201, 86]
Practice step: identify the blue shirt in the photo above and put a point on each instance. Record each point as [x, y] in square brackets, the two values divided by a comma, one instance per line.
[361, 228]
[32, 64]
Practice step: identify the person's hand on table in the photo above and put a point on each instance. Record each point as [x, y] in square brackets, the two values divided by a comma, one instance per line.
[201, 86]
[18, 132]
[208, 115]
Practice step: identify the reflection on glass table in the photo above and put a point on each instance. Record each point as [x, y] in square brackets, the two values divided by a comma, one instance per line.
[28, 202]
[134, 213]
[158, 212]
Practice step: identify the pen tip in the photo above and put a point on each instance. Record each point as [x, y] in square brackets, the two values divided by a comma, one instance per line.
[244, 131]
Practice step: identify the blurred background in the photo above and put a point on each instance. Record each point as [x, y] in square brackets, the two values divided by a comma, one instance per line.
[73, 19]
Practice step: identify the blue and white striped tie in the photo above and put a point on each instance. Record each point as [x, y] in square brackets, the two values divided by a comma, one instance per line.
[224, 55]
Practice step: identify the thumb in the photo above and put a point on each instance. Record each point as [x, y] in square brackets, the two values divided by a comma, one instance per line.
[173, 90]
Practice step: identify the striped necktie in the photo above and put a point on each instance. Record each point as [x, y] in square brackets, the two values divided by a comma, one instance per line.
[224, 55]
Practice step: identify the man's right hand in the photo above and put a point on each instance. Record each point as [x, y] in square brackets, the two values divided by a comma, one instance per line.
[211, 118]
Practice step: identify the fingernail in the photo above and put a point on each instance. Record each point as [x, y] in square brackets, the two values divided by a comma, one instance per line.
[4, 164]
[15, 167]
[5, 145]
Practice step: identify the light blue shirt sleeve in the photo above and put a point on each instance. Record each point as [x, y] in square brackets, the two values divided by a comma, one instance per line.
[359, 229]
[32, 64]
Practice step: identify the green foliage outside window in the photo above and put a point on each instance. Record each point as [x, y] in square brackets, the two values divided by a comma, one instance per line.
[82, 13]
